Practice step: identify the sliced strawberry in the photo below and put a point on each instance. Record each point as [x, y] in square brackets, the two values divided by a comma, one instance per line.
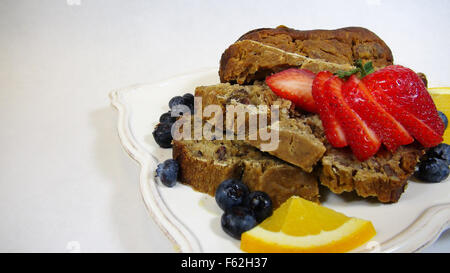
[295, 85]
[406, 88]
[416, 127]
[361, 139]
[401, 93]
[389, 131]
[333, 130]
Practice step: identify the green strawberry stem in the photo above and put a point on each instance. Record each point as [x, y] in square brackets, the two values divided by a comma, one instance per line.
[362, 69]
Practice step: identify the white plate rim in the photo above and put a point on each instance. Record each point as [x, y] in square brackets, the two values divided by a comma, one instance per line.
[424, 231]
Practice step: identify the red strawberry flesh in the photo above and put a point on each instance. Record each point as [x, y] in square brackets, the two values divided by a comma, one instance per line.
[333, 130]
[401, 93]
[416, 127]
[295, 85]
[406, 88]
[389, 130]
[362, 140]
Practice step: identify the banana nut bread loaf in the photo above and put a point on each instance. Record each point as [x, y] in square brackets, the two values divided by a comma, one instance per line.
[261, 52]
[204, 164]
[296, 142]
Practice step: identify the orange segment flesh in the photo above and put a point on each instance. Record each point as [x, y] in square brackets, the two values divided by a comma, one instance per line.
[299, 225]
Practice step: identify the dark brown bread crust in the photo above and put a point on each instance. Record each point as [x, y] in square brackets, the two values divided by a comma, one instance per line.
[338, 48]
[202, 175]
[364, 44]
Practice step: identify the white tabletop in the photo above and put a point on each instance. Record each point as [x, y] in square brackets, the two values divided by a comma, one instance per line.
[66, 184]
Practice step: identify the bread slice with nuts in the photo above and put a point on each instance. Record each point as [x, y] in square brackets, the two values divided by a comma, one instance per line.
[204, 164]
[296, 142]
[260, 52]
[383, 176]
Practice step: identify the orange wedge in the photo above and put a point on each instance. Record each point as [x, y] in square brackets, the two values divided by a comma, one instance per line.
[299, 225]
[441, 97]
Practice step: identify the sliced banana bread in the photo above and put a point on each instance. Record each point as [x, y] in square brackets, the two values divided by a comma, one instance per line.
[204, 164]
[261, 52]
[384, 175]
[296, 142]
[303, 143]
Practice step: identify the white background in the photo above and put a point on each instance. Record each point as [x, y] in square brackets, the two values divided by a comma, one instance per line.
[65, 181]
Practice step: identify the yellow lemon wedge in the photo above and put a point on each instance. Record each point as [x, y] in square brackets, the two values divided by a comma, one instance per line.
[299, 225]
[441, 98]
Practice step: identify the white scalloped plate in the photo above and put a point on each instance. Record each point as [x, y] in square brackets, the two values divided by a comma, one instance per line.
[191, 220]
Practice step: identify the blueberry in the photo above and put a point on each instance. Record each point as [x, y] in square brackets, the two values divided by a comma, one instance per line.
[177, 100]
[261, 205]
[238, 220]
[180, 109]
[230, 193]
[441, 151]
[188, 99]
[444, 119]
[162, 135]
[168, 172]
[167, 118]
[432, 170]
